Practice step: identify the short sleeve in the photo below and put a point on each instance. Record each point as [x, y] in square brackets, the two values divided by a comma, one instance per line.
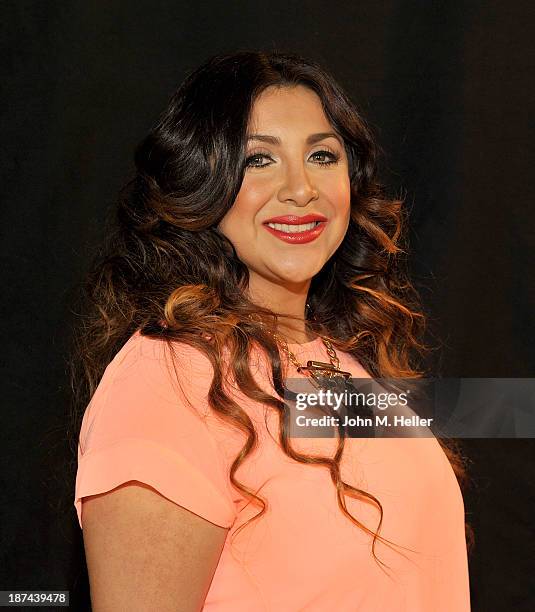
[138, 426]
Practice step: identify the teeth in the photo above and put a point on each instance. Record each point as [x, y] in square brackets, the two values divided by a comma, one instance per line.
[293, 229]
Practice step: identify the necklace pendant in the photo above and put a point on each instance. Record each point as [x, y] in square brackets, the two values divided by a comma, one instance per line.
[320, 368]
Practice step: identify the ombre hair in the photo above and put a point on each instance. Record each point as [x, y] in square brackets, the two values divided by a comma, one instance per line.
[167, 271]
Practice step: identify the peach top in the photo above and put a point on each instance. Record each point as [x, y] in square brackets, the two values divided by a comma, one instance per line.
[303, 553]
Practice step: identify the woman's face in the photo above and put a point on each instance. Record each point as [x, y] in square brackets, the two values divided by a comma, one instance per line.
[297, 180]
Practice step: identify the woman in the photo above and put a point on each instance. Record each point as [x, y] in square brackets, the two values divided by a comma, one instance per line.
[253, 238]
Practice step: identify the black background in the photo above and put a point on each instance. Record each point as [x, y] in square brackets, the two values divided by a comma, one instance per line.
[448, 89]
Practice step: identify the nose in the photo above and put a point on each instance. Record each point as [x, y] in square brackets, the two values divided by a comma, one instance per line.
[297, 187]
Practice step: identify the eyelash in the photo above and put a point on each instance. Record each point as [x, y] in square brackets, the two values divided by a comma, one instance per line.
[334, 159]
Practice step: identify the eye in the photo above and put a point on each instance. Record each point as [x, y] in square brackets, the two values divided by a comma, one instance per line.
[325, 158]
[322, 158]
[254, 161]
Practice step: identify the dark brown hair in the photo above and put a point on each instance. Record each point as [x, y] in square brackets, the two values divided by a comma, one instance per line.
[167, 270]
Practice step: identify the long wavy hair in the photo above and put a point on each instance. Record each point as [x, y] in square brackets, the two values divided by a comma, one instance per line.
[167, 271]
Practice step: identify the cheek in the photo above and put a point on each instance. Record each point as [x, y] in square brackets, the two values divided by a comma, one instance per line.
[240, 219]
[339, 194]
[253, 195]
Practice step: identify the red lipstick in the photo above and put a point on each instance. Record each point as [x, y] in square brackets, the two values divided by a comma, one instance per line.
[294, 220]
[295, 237]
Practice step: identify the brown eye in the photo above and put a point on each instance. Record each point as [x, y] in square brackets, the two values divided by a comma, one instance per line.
[325, 158]
[254, 161]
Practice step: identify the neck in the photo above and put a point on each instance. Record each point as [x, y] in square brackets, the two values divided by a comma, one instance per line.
[294, 335]
[287, 300]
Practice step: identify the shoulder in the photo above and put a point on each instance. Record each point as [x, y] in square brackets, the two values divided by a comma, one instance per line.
[144, 360]
[142, 350]
[147, 422]
[148, 388]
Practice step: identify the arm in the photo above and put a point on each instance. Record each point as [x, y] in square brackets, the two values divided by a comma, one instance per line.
[147, 553]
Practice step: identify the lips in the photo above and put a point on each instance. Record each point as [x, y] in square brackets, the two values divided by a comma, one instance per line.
[294, 220]
[311, 227]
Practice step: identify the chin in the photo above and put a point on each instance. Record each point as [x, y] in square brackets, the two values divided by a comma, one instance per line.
[296, 277]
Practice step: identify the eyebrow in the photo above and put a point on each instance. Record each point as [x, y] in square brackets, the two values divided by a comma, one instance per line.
[312, 139]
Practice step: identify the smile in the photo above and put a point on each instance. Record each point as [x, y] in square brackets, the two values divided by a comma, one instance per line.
[296, 234]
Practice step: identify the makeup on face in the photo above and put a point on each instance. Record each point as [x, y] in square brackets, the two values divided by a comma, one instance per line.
[296, 230]
[293, 207]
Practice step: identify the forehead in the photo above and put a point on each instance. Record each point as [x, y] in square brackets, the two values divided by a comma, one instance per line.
[295, 107]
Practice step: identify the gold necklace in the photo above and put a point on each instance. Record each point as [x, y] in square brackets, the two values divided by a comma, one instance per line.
[316, 369]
